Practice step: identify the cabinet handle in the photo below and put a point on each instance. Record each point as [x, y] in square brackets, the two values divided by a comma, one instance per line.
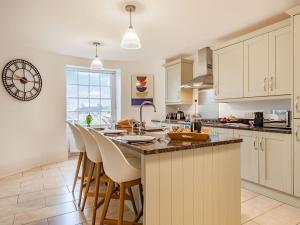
[254, 143]
[297, 104]
[297, 134]
[216, 90]
[261, 145]
[271, 83]
[265, 84]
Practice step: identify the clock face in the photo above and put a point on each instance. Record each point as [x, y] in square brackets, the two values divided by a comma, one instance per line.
[22, 80]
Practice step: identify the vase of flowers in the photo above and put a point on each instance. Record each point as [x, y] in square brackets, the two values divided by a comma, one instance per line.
[88, 120]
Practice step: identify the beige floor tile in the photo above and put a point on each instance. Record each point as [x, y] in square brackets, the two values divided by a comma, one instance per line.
[257, 206]
[34, 171]
[44, 213]
[56, 200]
[6, 220]
[251, 223]
[29, 187]
[4, 202]
[7, 192]
[43, 193]
[38, 222]
[282, 215]
[21, 207]
[247, 195]
[72, 218]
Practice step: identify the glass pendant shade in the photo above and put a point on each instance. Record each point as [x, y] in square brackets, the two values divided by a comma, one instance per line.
[130, 40]
[96, 64]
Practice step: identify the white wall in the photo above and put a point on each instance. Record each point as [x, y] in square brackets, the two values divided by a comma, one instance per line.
[245, 109]
[34, 133]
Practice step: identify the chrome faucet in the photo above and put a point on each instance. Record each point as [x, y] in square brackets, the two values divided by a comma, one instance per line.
[142, 125]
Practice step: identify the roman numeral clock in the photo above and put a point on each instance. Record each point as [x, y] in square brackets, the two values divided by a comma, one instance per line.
[22, 80]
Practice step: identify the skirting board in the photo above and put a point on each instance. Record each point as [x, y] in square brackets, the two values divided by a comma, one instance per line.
[277, 195]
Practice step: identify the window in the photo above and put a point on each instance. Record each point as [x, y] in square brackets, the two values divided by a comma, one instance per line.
[90, 92]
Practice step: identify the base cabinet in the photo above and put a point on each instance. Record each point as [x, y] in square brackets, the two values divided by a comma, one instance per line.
[266, 159]
[275, 161]
[296, 138]
[249, 154]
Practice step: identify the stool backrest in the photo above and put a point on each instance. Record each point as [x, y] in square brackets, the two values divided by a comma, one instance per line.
[77, 137]
[115, 164]
[91, 147]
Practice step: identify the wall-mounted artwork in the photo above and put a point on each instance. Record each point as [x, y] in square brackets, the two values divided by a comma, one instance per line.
[141, 89]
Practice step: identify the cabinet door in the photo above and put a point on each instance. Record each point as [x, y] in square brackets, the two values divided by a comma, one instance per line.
[256, 66]
[249, 154]
[296, 139]
[280, 62]
[228, 72]
[275, 161]
[297, 66]
[173, 82]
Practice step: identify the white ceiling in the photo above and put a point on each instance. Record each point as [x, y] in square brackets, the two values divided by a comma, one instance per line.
[166, 27]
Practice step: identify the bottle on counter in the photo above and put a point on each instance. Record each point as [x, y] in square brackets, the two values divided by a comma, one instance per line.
[196, 126]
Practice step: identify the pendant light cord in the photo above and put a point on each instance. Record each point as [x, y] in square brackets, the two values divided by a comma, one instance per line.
[96, 50]
[130, 26]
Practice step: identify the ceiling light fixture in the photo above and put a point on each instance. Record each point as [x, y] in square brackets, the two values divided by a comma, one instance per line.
[96, 63]
[130, 39]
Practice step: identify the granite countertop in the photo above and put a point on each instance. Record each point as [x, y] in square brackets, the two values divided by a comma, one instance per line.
[167, 145]
[222, 125]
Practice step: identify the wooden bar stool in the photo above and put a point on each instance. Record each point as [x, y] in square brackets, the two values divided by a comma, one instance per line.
[81, 159]
[94, 156]
[121, 173]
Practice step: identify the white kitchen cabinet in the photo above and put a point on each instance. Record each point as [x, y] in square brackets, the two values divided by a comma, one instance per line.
[178, 72]
[256, 66]
[228, 72]
[280, 62]
[297, 66]
[296, 139]
[249, 154]
[275, 161]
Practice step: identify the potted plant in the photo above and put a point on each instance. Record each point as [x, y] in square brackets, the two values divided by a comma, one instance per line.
[88, 120]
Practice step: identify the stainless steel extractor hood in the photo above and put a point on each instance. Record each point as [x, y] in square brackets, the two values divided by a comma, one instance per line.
[204, 80]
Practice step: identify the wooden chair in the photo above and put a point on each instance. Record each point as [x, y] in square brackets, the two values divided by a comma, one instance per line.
[94, 156]
[121, 173]
[79, 143]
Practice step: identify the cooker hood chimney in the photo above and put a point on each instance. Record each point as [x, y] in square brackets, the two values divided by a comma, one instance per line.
[204, 80]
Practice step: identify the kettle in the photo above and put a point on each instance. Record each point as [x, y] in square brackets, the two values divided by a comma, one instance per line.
[258, 119]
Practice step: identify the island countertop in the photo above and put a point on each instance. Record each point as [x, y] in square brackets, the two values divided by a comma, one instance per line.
[167, 145]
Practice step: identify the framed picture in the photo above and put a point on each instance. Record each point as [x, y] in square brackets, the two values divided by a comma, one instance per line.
[141, 89]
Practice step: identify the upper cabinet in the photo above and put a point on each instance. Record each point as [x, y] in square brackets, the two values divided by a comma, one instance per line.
[256, 65]
[228, 72]
[178, 72]
[280, 61]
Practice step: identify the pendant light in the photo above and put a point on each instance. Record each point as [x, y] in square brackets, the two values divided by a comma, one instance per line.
[96, 63]
[130, 39]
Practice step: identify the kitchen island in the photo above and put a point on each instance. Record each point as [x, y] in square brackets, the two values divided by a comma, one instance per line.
[189, 183]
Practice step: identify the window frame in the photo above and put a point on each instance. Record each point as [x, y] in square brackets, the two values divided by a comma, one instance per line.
[113, 84]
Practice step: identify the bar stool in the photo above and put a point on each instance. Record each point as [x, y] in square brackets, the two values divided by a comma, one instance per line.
[82, 158]
[94, 156]
[120, 172]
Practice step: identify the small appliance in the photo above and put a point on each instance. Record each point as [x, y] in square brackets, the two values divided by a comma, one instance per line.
[258, 119]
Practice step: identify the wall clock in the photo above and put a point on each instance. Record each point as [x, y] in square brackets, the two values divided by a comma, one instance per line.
[22, 80]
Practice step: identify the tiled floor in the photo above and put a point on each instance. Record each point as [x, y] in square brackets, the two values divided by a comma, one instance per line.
[42, 196]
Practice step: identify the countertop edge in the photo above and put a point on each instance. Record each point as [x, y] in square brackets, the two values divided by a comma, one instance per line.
[178, 148]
